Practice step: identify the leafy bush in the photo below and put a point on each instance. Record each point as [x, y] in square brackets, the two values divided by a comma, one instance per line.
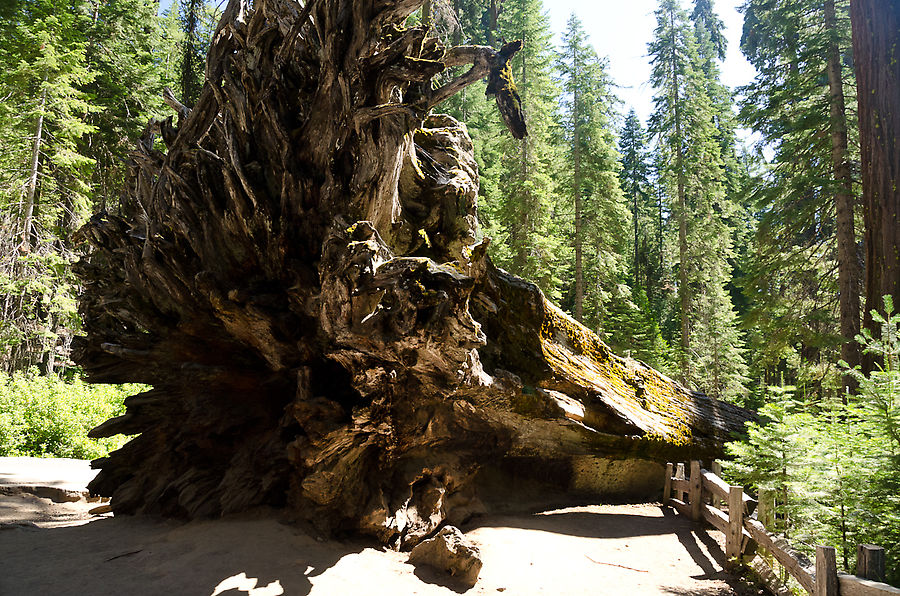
[47, 417]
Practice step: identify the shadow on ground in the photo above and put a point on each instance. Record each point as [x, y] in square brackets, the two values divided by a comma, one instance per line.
[588, 524]
[601, 549]
[711, 558]
[114, 555]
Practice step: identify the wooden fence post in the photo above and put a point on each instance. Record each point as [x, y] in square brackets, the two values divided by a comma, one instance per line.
[765, 514]
[765, 511]
[695, 490]
[826, 571]
[735, 523]
[667, 486]
[870, 562]
[716, 468]
[679, 475]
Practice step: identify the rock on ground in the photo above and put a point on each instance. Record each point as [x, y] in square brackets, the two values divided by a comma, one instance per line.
[449, 550]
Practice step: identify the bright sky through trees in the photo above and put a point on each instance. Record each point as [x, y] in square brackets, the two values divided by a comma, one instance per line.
[620, 30]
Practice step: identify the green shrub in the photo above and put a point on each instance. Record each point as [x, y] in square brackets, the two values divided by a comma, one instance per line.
[835, 466]
[47, 417]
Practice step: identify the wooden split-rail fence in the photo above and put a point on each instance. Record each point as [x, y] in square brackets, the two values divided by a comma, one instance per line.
[702, 494]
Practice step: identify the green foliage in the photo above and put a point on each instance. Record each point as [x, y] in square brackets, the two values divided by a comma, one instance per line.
[46, 417]
[126, 50]
[774, 455]
[694, 145]
[521, 213]
[878, 409]
[81, 81]
[44, 173]
[646, 251]
[590, 181]
[791, 278]
[197, 19]
[631, 330]
[835, 466]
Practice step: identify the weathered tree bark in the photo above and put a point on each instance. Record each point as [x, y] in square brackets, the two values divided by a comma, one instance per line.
[301, 279]
[876, 29]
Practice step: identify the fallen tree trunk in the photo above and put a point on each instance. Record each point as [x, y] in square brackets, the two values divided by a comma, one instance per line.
[302, 280]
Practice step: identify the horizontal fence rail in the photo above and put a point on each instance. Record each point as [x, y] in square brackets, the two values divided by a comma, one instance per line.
[746, 523]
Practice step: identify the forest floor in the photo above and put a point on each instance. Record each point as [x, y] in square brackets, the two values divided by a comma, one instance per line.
[49, 547]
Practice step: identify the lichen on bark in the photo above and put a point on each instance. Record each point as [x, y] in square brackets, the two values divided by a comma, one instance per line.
[301, 278]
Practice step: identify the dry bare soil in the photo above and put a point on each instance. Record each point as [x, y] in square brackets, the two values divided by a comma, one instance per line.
[59, 548]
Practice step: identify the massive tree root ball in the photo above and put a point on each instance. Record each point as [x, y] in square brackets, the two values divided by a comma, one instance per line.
[301, 278]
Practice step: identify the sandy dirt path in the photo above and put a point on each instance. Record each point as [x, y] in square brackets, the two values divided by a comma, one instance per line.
[58, 548]
[50, 543]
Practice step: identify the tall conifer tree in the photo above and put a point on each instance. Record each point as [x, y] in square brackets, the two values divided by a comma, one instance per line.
[124, 52]
[192, 50]
[599, 211]
[635, 182]
[807, 236]
[684, 123]
[521, 211]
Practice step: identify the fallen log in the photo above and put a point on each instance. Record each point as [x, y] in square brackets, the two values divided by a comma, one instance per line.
[301, 278]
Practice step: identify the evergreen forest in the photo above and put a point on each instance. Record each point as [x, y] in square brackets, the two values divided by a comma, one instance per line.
[746, 272]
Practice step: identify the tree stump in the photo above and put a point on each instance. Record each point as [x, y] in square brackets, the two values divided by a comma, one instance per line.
[301, 279]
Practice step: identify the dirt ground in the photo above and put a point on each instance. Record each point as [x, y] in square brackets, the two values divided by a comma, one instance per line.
[60, 548]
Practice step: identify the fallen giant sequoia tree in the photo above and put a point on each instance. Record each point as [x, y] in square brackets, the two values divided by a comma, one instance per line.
[301, 279]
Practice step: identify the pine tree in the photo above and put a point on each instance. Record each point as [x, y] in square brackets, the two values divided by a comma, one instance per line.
[774, 456]
[807, 197]
[596, 199]
[125, 53]
[707, 20]
[691, 145]
[192, 50]
[631, 329]
[646, 264]
[43, 117]
[521, 212]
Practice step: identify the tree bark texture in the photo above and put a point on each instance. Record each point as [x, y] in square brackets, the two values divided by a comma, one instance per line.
[844, 203]
[876, 53]
[681, 181]
[33, 176]
[302, 280]
[576, 184]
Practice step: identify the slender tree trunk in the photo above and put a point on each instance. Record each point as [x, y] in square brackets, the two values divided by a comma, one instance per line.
[683, 295]
[876, 30]
[579, 239]
[523, 233]
[426, 13]
[844, 203]
[659, 230]
[523, 240]
[493, 17]
[637, 275]
[31, 187]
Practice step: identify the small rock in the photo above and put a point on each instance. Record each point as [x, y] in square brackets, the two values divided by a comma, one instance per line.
[449, 551]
